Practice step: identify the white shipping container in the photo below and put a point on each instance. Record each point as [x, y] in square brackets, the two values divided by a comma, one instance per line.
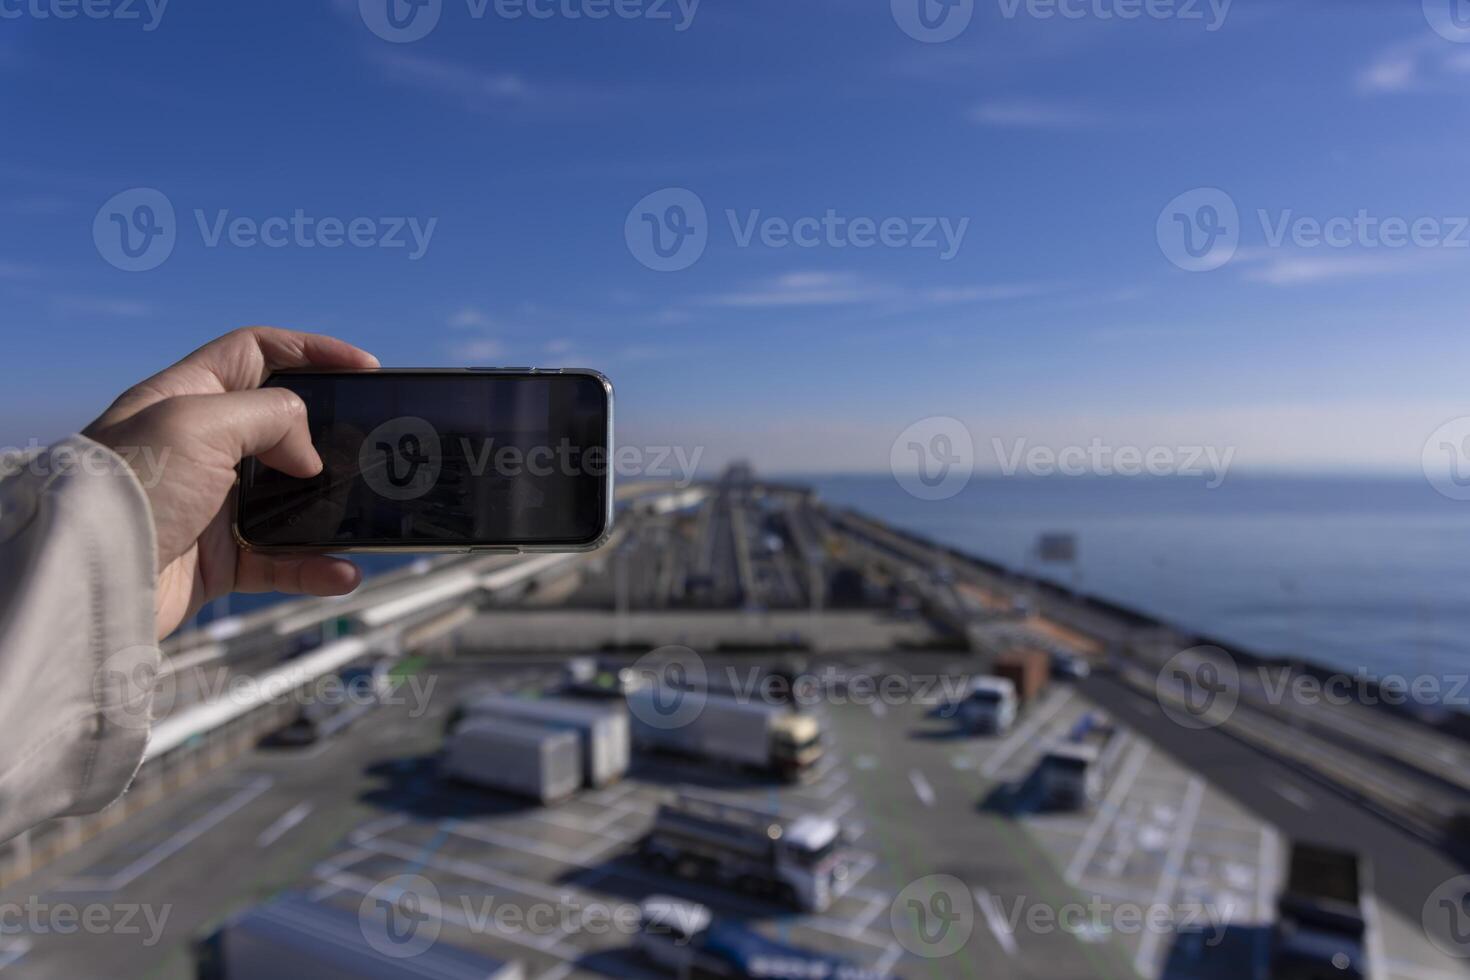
[725, 728]
[527, 759]
[602, 727]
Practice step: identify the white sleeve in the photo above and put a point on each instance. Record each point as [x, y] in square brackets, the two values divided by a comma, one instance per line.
[78, 653]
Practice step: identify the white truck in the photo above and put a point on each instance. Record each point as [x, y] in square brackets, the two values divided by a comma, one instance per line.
[295, 938]
[800, 861]
[1072, 773]
[725, 729]
[602, 727]
[544, 764]
[990, 708]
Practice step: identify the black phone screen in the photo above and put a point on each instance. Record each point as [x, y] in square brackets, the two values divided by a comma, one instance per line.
[439, 460]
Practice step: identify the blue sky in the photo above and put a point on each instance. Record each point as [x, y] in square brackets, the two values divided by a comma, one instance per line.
[526, 142]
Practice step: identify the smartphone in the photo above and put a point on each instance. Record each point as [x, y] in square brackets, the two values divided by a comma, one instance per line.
[425, 460]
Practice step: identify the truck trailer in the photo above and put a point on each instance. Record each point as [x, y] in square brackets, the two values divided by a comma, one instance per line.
[798, 861]
[1321, 930]
[602, 727]
[531, 760]
[294, 938]
[749, 734]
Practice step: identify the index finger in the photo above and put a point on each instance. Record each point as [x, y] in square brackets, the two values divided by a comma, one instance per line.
[239, 361]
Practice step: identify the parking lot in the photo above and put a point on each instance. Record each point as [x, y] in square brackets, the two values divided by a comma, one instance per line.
[926, 808]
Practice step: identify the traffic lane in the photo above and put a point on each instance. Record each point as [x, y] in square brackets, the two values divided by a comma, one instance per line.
[923, 817]
[1406, 869]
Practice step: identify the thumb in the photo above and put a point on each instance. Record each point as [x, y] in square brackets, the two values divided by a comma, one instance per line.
[268, 423]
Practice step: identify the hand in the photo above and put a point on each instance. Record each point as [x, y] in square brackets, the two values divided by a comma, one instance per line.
[208, 412]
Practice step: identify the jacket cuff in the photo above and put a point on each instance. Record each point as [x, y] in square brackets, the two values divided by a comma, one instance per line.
[79, 656]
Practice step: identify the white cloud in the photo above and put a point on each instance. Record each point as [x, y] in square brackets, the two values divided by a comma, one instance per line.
[1295, 267]
[1424, 64]
[1033, 114]
[803, 289]
[482, 351]
[476, 87]
[470, 318]
[847, 288]
[102, 306]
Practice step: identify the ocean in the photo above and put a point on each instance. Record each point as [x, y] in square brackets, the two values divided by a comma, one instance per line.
[1348, 572]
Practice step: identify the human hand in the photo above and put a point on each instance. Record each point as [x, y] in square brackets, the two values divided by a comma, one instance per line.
[207, 412]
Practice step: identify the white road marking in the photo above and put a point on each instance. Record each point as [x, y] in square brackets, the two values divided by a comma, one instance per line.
[283, 823]
[172, 844]
[1001, 929]
[1169, 876]
[1025, 734]
[1293, 795]
[13, 951]
[866, 762]
[922, 789]
[1105, 813]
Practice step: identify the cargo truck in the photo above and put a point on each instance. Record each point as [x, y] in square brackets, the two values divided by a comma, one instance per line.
[1072, 773]
[1321, 930]
[800, 861]
[531, 760]
[294, 938]
[1029, 670]
[990, 708]
[602, 728]
[685, 940]
[749, 734]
